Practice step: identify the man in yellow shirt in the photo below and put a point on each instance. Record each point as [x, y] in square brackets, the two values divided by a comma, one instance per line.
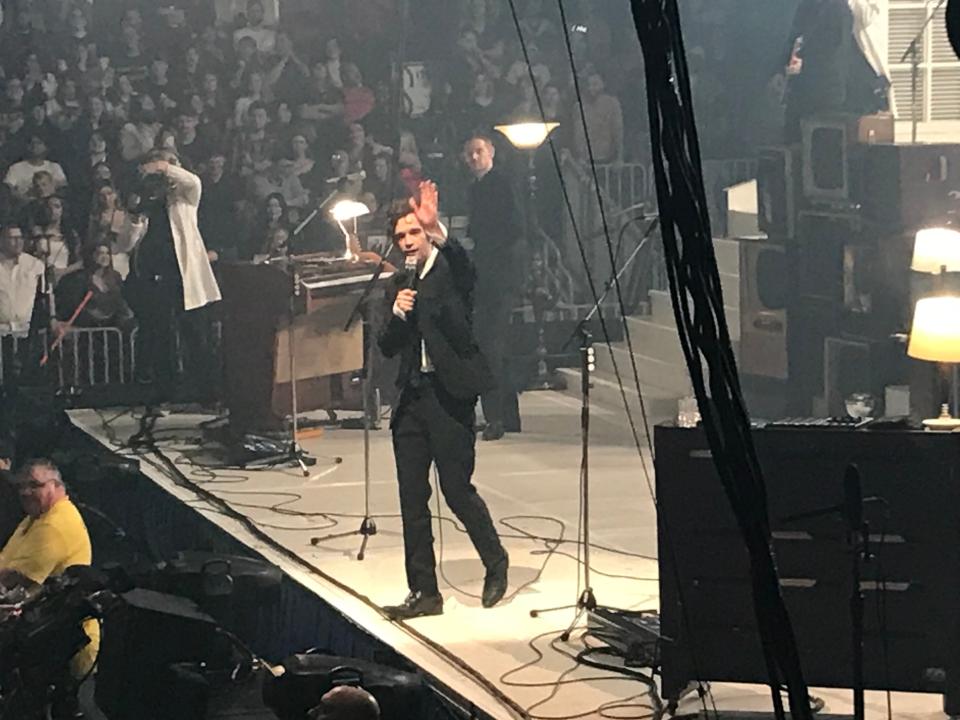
[50, 539]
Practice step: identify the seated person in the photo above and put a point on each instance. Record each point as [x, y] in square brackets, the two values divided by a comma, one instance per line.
[275, 245]
[20, 175]
[51, 538]
[106, 306]
[19, 274]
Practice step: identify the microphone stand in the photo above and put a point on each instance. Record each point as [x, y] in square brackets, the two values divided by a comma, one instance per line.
[294, 454]
[858, 539]
[858, 542]
[614, 279]
[368, 525]
[587, 601]
[913, 52]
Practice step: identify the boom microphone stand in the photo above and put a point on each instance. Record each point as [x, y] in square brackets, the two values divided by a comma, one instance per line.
[294, 453]
[587, 600]
[368, 525]
[913, 52]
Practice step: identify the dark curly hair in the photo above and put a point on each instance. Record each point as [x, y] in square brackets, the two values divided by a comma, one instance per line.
[399, 209]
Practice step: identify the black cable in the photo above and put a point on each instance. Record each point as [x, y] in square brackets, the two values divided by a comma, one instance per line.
[698, 308]
[610, 256]
[581, 247]
[161, 463]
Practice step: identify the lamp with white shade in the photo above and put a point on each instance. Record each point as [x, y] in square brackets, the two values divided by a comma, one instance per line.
[935, 336]
[936, 250]
[528, 137]
[344, 211]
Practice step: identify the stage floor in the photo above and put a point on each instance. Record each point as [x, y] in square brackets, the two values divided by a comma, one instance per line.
[530, 481]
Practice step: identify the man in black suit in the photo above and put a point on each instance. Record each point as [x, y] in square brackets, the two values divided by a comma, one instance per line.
[442, 371]
[496, 228]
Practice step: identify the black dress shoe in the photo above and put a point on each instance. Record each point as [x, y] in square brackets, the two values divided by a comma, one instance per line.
[493, 431]
[495, 583]
[417, 604]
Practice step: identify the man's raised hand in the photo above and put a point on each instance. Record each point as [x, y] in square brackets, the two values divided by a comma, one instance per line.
[426, 209]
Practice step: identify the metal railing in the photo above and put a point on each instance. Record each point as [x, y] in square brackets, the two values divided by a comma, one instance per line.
[86, 357]
[628, 191]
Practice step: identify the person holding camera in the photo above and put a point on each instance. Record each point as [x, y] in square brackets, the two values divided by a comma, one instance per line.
[171, 270]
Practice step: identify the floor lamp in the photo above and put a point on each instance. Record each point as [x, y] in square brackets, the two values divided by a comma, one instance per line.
[528, 137]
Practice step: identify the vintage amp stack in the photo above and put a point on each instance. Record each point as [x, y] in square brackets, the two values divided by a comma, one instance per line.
[826, 289]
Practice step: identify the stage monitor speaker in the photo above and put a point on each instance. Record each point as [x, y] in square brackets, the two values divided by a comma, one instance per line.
[820, 252]
[306, 678]
[826, 145]
[763, 315]
[141, 638]
[906, 187]
[777, 191]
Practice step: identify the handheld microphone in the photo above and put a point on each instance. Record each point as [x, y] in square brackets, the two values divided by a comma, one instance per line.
[411, 267]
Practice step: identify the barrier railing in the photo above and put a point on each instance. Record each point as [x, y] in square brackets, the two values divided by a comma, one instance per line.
[628, 190]
[86, 357]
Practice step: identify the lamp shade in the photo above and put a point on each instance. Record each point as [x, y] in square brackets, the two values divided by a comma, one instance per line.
[527, 135]
[348, 210]
[935, 335]
[935, 248]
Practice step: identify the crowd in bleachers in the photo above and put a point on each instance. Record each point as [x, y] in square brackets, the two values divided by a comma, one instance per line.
[275, 111]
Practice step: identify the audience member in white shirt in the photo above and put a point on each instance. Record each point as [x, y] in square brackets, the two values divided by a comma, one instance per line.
[19, 273]
[263, 35]
[20, 175]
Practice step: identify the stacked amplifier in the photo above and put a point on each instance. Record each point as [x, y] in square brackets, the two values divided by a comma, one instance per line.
[830, 284]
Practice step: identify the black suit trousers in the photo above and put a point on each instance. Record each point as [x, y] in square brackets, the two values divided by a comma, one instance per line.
[429, 426]
[492, 323]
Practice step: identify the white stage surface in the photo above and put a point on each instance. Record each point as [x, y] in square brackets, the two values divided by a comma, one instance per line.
[530, 481]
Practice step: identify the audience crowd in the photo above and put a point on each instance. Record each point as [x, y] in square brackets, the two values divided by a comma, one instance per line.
[278, 113]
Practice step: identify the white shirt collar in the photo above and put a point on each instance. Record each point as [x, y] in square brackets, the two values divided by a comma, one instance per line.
[428, 265]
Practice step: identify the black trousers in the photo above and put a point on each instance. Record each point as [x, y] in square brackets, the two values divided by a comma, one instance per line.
[492, 323]
[429, 426]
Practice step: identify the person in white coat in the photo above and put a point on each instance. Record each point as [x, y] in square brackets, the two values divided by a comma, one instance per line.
[171, 272]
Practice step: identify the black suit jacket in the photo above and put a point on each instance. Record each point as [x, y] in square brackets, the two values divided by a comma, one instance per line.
[443, 318]
[496, 227]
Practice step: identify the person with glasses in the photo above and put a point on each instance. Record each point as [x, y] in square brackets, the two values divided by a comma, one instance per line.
[51, 538]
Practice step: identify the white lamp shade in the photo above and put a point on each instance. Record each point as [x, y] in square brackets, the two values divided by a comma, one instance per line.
[348, 210]
[935, 248]
[936, 330]
[527, 135]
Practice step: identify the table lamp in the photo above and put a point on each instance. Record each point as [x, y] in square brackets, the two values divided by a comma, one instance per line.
[348, 210]
[935, 336]
[936, 250]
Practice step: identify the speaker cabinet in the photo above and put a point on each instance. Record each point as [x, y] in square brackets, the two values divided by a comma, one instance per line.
[149, 632]
[827, 149]
[908, 186]
[777, 191]
[763, 314]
